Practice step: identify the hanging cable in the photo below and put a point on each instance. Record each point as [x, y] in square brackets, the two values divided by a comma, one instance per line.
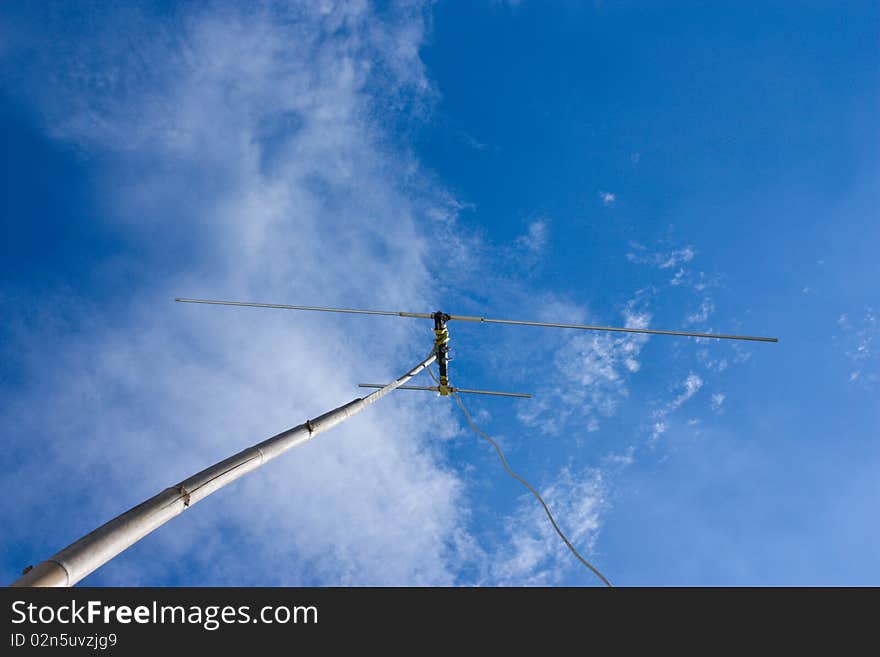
[528, 486]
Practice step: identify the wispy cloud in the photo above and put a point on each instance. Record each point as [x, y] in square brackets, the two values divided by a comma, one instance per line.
[692, 383]
[678, 259]
[687, 389]
[591, 375]
[534, 242]
[627, 457]
[705, 311]
[660, 259]
[252, 141]
[711, 362]
[608, 198]
[533, 554]
[859, 337]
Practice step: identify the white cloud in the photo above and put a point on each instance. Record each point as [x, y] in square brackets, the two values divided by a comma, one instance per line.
[692, 383]
[591, 372]
[710, 362]
[535, 240]
[533, 554]
[858, 338]
[608, 198]
[658, 428]
[660, 424]
[676, 259]
[741, 353]
[627, 457]
[660, 259]
[717, 400]
[673, 259]
[471, 141]
[703, 314]
[254, 147]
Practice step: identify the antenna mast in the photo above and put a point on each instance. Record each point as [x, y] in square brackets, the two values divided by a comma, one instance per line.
[77, 560]
[93, 550]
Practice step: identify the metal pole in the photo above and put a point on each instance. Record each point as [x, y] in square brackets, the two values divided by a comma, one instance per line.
[93, 550]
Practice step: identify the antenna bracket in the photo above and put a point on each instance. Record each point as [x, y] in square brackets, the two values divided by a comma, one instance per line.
[441, 348]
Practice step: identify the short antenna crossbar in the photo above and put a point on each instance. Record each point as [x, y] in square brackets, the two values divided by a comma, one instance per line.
[451, 389]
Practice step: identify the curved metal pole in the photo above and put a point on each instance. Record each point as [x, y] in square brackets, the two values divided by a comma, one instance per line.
[93, 550]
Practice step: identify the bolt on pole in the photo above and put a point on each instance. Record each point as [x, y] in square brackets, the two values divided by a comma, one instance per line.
[93, 550]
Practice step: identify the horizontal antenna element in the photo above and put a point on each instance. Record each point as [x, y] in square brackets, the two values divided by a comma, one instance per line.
[585, 327]
[484, 320]
[451, 389]
[325, 310]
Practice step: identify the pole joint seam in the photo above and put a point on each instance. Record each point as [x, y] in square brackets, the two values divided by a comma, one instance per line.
[185, 494]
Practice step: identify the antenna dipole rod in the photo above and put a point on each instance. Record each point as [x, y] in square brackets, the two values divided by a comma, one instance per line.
[692, 334]
[93, 550]
[485, 320]
[319, 309]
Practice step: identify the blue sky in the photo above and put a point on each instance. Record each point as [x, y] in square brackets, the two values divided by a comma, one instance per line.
[673, 165]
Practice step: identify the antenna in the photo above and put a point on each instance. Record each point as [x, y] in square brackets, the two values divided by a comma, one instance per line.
[441, 335]
[70, 565]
